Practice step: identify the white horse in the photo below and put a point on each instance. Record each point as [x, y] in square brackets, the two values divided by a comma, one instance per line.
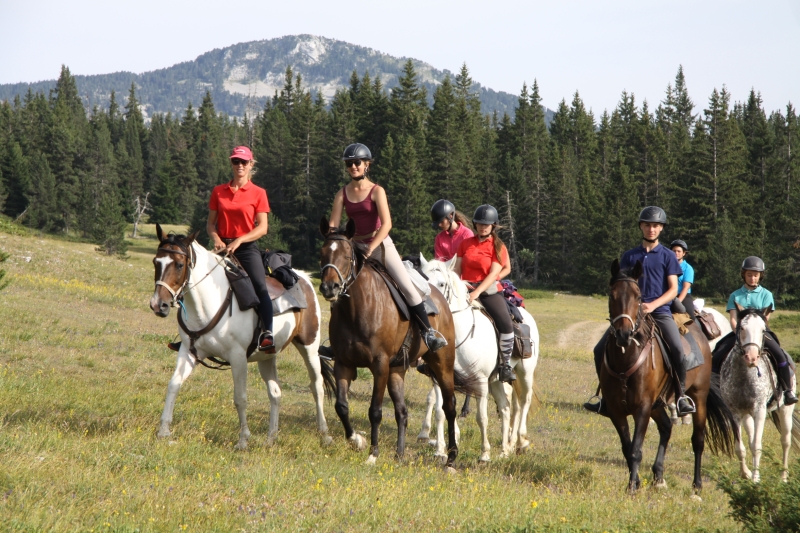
[748, 381]
[185, 269]
[477, 352]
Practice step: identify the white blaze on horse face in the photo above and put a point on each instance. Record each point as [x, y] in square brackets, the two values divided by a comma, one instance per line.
[334, 245]
[751, 337]
[164, 262]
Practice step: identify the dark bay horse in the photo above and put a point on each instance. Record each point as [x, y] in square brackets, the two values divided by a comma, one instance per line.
[636, 382]
[367, 331]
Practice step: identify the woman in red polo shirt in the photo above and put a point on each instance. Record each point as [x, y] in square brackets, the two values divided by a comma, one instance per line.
[366, 205]
[454, 228]
[480, 261]
[237, 218]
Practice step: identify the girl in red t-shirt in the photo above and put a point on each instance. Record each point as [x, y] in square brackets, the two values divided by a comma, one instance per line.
[480, 262]
[365, 203]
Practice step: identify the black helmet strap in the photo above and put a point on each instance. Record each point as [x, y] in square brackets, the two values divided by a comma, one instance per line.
[649, 240]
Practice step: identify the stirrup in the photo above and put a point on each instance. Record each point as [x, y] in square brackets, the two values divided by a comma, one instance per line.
[506, 374]
[433, 340]
[789, 397]
[424, 369]
[598, 408]
[265, 342]
[176, 347]
[692, 406]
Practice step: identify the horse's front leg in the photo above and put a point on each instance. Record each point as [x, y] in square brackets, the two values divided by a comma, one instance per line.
[664, 424]
[524, 388]
[343, 376]
[699, 420]
[759, 417]
[269, 373]
[239, 373]
[183, 368]
[482, 417]
[397, 393]
[743, 422]
[380, 378]
[785, 420]
[641, 419]
[502, 400]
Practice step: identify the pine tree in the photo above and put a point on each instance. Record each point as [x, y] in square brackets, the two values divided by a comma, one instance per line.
[43, 208]
[16, 175]
[165, 200]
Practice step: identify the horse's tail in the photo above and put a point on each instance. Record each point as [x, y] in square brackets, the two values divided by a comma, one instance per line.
[723, 429]
[795, 428]
[467, 382]
[327, 372]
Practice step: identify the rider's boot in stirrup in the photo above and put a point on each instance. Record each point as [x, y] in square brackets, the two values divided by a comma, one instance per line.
[785, 377]
[684, 405]
[598, 407]
[432, 338]
[266, 342]
[174, 346]
[506, 373]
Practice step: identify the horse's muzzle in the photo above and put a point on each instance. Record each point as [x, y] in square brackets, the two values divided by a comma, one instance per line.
[159, 306]
[624, 338]
[330, 290]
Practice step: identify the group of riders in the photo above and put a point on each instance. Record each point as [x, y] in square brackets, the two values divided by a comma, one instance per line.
[238, 218]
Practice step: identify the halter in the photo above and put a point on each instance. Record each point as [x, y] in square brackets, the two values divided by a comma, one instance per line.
[746, 313]
[186, 251]
[352, 275]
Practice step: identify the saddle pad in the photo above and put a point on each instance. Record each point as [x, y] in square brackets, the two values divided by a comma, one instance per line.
[397, 296]
[692, 356]
[291, 299]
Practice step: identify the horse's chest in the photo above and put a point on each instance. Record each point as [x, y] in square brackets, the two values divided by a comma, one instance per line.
[745, 388]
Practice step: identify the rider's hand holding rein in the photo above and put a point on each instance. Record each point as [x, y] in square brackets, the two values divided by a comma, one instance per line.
[668, 296]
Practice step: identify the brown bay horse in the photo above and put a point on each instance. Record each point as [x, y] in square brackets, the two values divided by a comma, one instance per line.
[635, 381]
[367, 331]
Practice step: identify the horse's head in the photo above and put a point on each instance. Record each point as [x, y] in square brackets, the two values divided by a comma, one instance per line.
[624, 299]
[172, 265]
[750, 333]
[440, 275]
[337, 260]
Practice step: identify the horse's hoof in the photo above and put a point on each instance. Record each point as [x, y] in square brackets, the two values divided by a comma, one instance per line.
[450, 470]
[746, 474]
[785, 476]
[756, 477]
[163, 432]
[687, 420]
[271, 440]
[357, 442]
[240, 446]
[371, 460]
[422, 438]
[523, 447]
[326, 440]
[660, 484]
[432, 443]
[442, 458]
[696, 498]
[485, 457]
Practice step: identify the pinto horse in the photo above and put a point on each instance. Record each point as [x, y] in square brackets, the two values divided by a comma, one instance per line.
[367, 331]
[635, 381]
[192, 277]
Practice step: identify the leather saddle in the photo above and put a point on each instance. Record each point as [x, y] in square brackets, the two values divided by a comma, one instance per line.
[283, 299]
[402, 306]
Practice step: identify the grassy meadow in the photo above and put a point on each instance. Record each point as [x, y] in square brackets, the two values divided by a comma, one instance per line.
[83, 375]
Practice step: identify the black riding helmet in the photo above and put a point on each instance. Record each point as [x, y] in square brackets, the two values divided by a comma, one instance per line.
[679, 242]
[654, 214]
[485, 214]
[753, 263]
[441, 209]
[357, 151]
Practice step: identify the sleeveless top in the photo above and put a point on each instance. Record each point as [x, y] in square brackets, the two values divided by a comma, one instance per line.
[364, 214]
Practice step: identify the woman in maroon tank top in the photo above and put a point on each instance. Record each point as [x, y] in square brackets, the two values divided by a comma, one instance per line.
[366, 204]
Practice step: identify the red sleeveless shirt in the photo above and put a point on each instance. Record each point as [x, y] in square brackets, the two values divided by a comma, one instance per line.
[364, 214]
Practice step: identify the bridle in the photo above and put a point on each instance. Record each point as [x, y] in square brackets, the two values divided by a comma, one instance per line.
[745, 314]
[449, 292]
[639, 316]
[347, 282]
[177, 295]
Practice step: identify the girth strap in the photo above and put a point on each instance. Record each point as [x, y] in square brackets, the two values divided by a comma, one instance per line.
[194, 335]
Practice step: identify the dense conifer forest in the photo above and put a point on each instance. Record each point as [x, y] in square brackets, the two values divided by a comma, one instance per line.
[727, 173]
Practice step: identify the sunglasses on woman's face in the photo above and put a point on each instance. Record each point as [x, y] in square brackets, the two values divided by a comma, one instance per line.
[353, 163]
[237, 162]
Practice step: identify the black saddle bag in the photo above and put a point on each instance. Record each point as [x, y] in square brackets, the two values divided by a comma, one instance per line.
[273, 260]
[242, 287]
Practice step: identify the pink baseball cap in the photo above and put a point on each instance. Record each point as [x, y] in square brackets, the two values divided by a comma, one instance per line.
[242, 152]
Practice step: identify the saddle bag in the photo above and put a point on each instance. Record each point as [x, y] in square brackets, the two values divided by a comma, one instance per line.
[708, 325]
[523, 346]
[274, 260]
[242, 287]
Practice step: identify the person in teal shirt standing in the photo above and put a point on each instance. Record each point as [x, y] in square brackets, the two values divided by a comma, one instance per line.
[752, 295]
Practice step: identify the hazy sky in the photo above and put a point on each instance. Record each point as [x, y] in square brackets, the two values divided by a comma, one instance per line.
[597, 47]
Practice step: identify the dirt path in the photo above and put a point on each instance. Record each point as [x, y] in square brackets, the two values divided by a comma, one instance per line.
[582, 335]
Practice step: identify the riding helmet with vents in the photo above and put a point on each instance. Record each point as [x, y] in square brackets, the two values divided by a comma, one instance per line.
[357, 151]
[653, 214]
[441, 209]
[485, 214]
[753, 263]
[679, 242]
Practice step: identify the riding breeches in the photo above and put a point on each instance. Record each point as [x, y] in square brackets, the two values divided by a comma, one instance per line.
[250, 258]
[387, 254]
[670, 334]
[688, 303]
[497, 308]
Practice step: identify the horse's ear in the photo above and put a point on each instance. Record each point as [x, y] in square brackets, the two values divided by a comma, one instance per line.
[422, 261]
[738, 307]
[190, 239]
[324, 228]
[614, 267]
[159, 232]
[766, 311]
[637, 270]
[451, 263]
[350, 229]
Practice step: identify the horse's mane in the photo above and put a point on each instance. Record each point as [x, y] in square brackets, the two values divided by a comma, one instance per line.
[172, 238]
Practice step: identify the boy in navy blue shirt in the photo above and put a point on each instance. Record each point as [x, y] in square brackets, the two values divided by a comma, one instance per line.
[659, 287]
